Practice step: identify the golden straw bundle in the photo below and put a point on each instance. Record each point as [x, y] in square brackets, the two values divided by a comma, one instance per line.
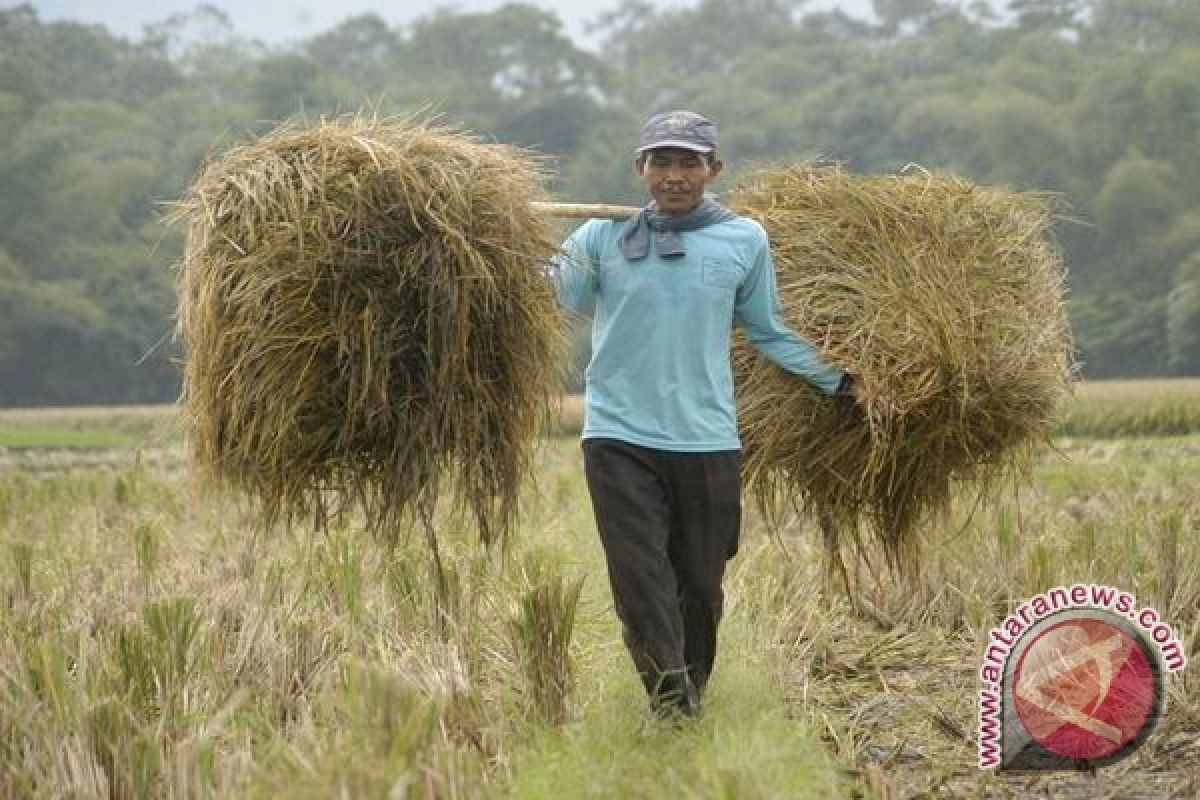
[947, 301]
[364, 314]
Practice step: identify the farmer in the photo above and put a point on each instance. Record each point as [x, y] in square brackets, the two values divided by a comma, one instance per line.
[660, 442]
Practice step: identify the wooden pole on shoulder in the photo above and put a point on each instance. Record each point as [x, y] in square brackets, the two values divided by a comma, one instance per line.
[585, 210]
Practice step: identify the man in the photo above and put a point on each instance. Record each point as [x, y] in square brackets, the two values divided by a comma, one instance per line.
[660, 443]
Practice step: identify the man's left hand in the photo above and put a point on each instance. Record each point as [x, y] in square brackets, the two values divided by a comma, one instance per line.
[868, 401]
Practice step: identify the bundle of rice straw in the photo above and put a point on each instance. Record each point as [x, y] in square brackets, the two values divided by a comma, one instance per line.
[946, 300]
[364, 315]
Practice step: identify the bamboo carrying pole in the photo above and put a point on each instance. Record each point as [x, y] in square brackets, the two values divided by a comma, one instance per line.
[585, 210]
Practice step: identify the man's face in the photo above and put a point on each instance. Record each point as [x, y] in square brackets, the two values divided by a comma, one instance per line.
[676, 178]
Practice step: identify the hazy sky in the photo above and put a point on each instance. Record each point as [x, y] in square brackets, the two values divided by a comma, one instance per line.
[277, 21]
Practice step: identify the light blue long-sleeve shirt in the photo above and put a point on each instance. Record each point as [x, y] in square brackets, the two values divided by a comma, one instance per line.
[660, 374]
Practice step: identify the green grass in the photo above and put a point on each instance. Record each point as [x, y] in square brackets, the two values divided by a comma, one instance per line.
[42, 438]
[747, 745]
[1108, 409]
[96, 428]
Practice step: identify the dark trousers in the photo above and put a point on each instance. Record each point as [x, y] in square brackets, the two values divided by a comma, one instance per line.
[668, 522]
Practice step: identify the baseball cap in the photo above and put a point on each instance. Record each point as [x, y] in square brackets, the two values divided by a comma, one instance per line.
[684, 129]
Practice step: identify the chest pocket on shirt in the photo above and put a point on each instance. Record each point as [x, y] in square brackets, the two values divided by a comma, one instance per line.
[719, 273]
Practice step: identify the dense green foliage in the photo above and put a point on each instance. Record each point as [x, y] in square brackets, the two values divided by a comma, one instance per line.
[1098, 100]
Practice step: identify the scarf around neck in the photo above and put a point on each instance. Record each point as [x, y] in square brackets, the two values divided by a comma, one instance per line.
[634, 240]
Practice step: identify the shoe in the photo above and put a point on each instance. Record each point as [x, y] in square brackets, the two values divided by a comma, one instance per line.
[677, 698]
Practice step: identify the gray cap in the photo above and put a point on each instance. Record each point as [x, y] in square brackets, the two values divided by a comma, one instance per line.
[684, 129]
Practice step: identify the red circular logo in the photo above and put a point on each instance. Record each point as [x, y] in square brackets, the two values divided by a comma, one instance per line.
[1084, 688]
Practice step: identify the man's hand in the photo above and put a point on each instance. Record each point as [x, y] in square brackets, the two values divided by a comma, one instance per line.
[883, 405]
[859, 393]
[851, 386]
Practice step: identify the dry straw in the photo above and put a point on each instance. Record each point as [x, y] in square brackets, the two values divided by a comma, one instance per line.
[946, 300]
[364, 316]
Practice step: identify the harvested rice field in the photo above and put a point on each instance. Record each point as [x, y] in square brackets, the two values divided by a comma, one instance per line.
[152, 645]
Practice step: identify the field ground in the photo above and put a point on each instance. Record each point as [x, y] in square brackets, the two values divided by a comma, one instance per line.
[151, 646]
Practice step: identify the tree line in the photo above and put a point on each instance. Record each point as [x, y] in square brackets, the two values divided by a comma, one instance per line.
[1097, 100]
